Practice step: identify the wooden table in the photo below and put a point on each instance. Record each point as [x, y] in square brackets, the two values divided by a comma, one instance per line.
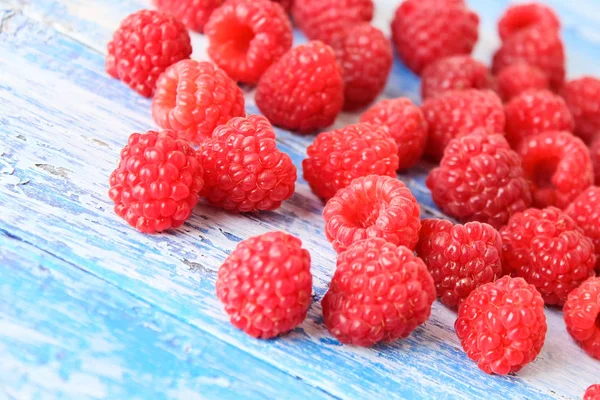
[90, 308]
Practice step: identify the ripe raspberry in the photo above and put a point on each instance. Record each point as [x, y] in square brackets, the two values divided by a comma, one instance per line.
[480, 179]
[595, 155]
[459, 112]
[406, 124]
[304, 90]
[244, 170]
[335, 158]
[582, 316]
[502, 326]
[379, 292]
[193, 13]
[559, 167]
[425, 32]
[592, 393]
[363, 81]
[193, 98]
[518, 78]
[266, 284]
[519, 17]
[537, 46]
[583, 98]
[144, 45]
[459, 257]
[454, 73]
[548, 250]
[246, 36]
[372, 206]
[325, 19]
[156, 185]
[286, 4]
[533, 112]
[585, 211]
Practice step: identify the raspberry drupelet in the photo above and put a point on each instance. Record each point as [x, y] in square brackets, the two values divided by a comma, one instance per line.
[592, 392]
[559, 167]
[265, 284]
[144, 45]
[454, 73]
[156, 185]
[502, 326]
[460, 258]
[193, 13]
[582, 316]
[585, 211]
[372, 206]
[193, 98]
[336, 158]
[518, 78]
[548, 250]
[583, 99]
[244, 170]
[480, 179]
[518, 17]
[380, 292]
[246, 36]
[405, 123]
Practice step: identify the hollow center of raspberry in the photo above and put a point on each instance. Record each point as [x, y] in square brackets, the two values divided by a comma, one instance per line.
[543, 172]
[366, 215]
[234, 37]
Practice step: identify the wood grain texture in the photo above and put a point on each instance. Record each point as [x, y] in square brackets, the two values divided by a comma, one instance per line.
[62, 124]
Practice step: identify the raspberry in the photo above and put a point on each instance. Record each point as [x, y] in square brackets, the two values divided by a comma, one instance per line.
[583, 98]
[502, 326]
[582, 316]
[592, 393]
[246, 36]
[406, 124]
[538, 46]
[547, 249]
[424, 32]
[304, 90]
[459, 112]
[585, 211]
[517, 78]
[193, 13]
[379, 292]
[480, 179]
[533, 112]
[559, 167]
[363, 81]
[144, 45]
[459, 257]
[372, 206]
[518, 17]
[595, 155]
[156, 185]
[244, 170]
[286, 4]
[193, 98]
[454, 73]
[325, 19]
[266, 284]
[335, 158]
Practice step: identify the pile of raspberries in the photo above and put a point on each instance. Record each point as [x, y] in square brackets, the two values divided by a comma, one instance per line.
[516, 147]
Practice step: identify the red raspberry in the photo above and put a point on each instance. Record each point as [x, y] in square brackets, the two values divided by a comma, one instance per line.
[144, 45]
[286, 4]
[480, 179]
[372, 206]
[406, 124]
[582, 316]
[454, 73]
[592, 393]
[537, 46]
[193, 98]
[244, 170]
[595, 155]
[246, 36]
[547, 249]
[335, 158]
[459, 257]
[425, 32]
[518, 78]
[518, 17]
[583, 98]
[266, 284]
[363, 81]
[379, 292]
[156, 185]
[304, 90]
[559, 167]
[585, 211]
[502, 326]
[533, 112]
[325, 19]
[459, 112]
[193, 13]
